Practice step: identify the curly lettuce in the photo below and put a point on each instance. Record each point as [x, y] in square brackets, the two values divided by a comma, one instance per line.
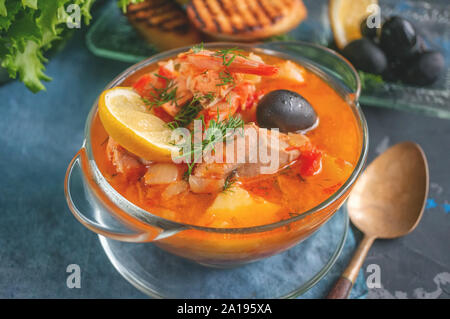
[29, 28]
[124, 3]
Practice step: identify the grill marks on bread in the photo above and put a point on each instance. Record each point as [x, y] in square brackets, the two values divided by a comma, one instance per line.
[258, 18]
[163, 23]
[165, 15]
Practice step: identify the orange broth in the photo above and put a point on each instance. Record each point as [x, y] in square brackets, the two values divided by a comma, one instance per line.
[337, 136]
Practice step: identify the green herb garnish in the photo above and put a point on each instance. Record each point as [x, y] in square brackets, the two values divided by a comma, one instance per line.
[198, 48]
[226, 78]
[226, 127]
[163, 95]
[370, 81]
[228, 55]
[190, 111]
[185, 116]
[209, 96]
[229, 182]
[231, 122]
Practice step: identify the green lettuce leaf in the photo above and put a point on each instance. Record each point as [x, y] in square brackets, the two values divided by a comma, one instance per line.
[28, 63]
[3, 10]
[124, 3]
[29, 28]
[11, 9]
[30, 3]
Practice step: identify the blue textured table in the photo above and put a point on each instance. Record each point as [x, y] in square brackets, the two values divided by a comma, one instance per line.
[39, 237]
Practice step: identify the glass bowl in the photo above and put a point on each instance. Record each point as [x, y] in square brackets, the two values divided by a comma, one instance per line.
[292, 273]
[99, 207]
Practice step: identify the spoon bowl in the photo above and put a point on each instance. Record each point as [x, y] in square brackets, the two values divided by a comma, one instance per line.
[389, 198]
[386, 202]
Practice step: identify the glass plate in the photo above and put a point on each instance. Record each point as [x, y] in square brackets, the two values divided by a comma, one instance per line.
[111, 36]
[286, 275]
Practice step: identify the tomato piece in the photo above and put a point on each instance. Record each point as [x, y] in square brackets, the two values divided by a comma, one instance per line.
[292, 148]
[162, 114]
[252, 99]
[248, 113]
[147, 82]
[310, 162]
[166, 73]
[143, 85]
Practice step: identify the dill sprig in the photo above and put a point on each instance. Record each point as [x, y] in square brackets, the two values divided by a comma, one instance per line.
[226, 127]
[185, 116]
[231, 122]
[229, 182]
[228, 55]
[161, 96]
[208, 97]
[226, 78]
[197, 48]
[190, 111]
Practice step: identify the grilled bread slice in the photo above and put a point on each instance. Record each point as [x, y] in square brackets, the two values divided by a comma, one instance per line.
[163, 23]
[243, 20]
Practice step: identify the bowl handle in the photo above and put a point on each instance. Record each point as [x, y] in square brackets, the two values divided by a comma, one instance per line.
[93, 214]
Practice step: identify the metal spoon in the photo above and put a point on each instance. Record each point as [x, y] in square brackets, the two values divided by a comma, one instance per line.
[386, 202]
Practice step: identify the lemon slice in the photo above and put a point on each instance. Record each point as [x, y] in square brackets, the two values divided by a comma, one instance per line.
[346, 17]
[128, 121]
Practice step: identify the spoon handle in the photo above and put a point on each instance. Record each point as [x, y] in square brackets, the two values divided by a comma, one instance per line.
[343, 286]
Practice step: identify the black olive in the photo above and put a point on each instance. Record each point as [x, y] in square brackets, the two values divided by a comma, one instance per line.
[286, 110]
[421, 44]
[397, 66]
[366, 56]
[369, 33]
[424, 68]
[398, 38]
[394, 71]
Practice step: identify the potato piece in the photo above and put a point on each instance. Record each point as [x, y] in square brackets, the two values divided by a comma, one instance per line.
[237, 208]
[336, 169]
[292, 71]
